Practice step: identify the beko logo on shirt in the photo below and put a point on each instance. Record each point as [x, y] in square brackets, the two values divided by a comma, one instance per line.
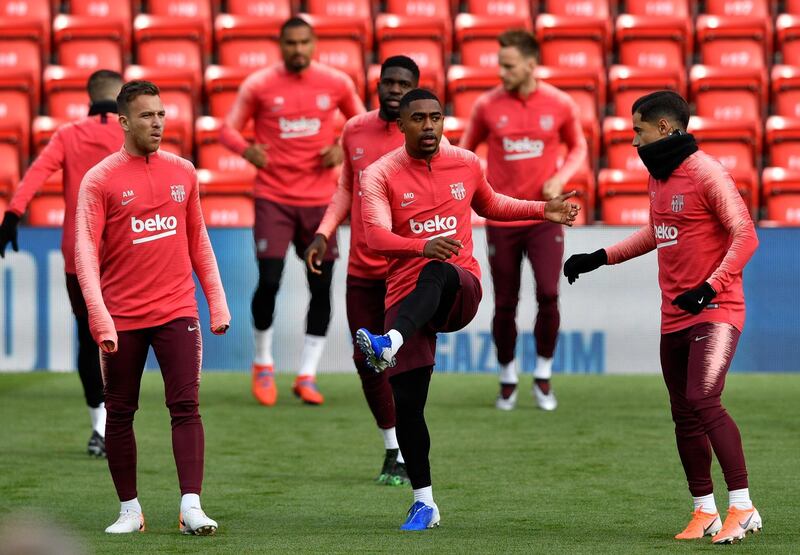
[521, 149]
[301, 127]
[667, 233]
[442, 226]
[166, 226]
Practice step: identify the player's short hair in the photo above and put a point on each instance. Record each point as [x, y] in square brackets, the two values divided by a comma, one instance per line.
[662, 104]
[522, 40]
[403, 62]
[101, 82]
[417, 94]
[133, 89]
[294, 22]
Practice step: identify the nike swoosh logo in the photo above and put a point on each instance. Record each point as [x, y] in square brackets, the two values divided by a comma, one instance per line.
[701, 337]
[746, 523]
[707, 528]
[193, 328]
[128, 201]
[700, 301]
[357, 157]
[406, 203]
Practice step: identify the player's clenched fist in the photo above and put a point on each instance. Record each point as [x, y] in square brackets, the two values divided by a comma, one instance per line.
[578, 264]
[256, 154]
[560, 211]
[441, 248]
[314, 253]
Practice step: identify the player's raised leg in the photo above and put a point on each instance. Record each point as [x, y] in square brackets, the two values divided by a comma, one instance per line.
[178, 346]
[545, 250]
[122, 374]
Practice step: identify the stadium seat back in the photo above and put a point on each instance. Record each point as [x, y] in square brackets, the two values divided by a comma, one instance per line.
[46, 211]
[575, 53]
[732, 53]
[171, 53]
[345, 55]
[781, 190]
[580, 8]
[228, 210]
[787, 28]
[520, 8]
[579, 42]
[728, 105]
[627, 84]
[181, 8]
[420, 8]
[792, 7]
[623, 195]
[247, 41]
[15, 110]
[261, 8]
[783, 142]
[668, 8]
[340, 8]
[22, 57]
[477, 35]
[735, 41]
[753, 8]
[11, 168]
[734, 155]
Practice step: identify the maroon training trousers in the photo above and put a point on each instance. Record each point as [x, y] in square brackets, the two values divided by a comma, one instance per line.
[178, 348]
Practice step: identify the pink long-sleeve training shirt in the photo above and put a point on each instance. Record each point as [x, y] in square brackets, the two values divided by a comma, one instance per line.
[524, 136]
[294, 115]
[140, 233]
[407, 202]
[75, 147]
[703, 233]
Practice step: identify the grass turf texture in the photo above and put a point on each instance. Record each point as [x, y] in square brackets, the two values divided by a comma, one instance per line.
[600, 475]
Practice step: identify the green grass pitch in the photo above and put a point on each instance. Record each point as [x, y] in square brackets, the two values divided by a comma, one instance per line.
[600, 475]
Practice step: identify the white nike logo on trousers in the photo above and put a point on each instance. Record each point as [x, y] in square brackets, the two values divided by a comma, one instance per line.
[193, 328]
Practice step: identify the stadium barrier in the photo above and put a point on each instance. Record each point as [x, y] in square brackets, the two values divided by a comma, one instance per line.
[609, 319]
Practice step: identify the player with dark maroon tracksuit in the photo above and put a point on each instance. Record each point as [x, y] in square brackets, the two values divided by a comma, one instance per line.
[524, 123]
[140, 234]
[417, 206]
[704, 236]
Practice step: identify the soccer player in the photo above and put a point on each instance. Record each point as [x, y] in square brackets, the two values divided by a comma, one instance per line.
[703, 234]
[366, 138]
[417, 202]
[75, 147]
[524, 122]
[140, 233]
[294, 106]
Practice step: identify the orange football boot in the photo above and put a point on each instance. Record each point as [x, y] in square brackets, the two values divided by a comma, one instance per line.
[738, 524]
[305, 387]
[264, 388]
[702, 524]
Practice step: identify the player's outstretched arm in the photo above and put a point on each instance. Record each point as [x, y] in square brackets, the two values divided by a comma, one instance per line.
[204, 264]
[90, 222]
[571, 134]
[560, 211]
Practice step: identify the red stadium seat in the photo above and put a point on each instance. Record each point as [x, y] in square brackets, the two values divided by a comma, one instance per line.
[466, 84]
[786, 90]
[519, 8]
[20, 51]
[89, 42]
[244, 41]
[224, 183]
[422, 39]
[476, 36]
[427, 80]
[781, 191]
[734, 41]
[653, 41]
[341, 43]
[361, 9]
[618, 144]
[12, 167]
[212, 155]
[580, 8]
[783, 142]
[65, 91]
[420, 8]
[281, 9]
[170, 42]
[180, 92]
[787, 28]
[728, 93]
[752, 8]
[792, 7]
[626, 84]
[24, 13]
[665, 8]
[746, 180]
[120, 9]
[583, 183]
[222, 86]
[46, 211]
[623, 197]
[572, 41]
[228, 210]
[43, 128]
[736, 144]
[15, 107]
[181, 8]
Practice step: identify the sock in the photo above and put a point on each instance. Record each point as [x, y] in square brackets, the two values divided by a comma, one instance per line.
[189, 500]
[400, 458]
[98, 417]
[425, 495]
[544, 368]
[508, 373]
[397, 341]
[740, 498]
[263, 347]
[390, 438]
[312, 352]
[706, 503]
[132, 506]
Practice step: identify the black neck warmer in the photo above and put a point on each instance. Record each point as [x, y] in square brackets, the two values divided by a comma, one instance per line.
[103, 107]
[662, 157]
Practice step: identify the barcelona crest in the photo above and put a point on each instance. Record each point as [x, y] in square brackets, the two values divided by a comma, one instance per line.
[677, 203]
[177, 193]
[458, 191]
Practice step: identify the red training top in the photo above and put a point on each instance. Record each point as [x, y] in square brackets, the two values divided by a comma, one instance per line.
[703, 232]
[140, 235]
[294, 117]
[407, 202]
[75, 147]
[524, 137]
